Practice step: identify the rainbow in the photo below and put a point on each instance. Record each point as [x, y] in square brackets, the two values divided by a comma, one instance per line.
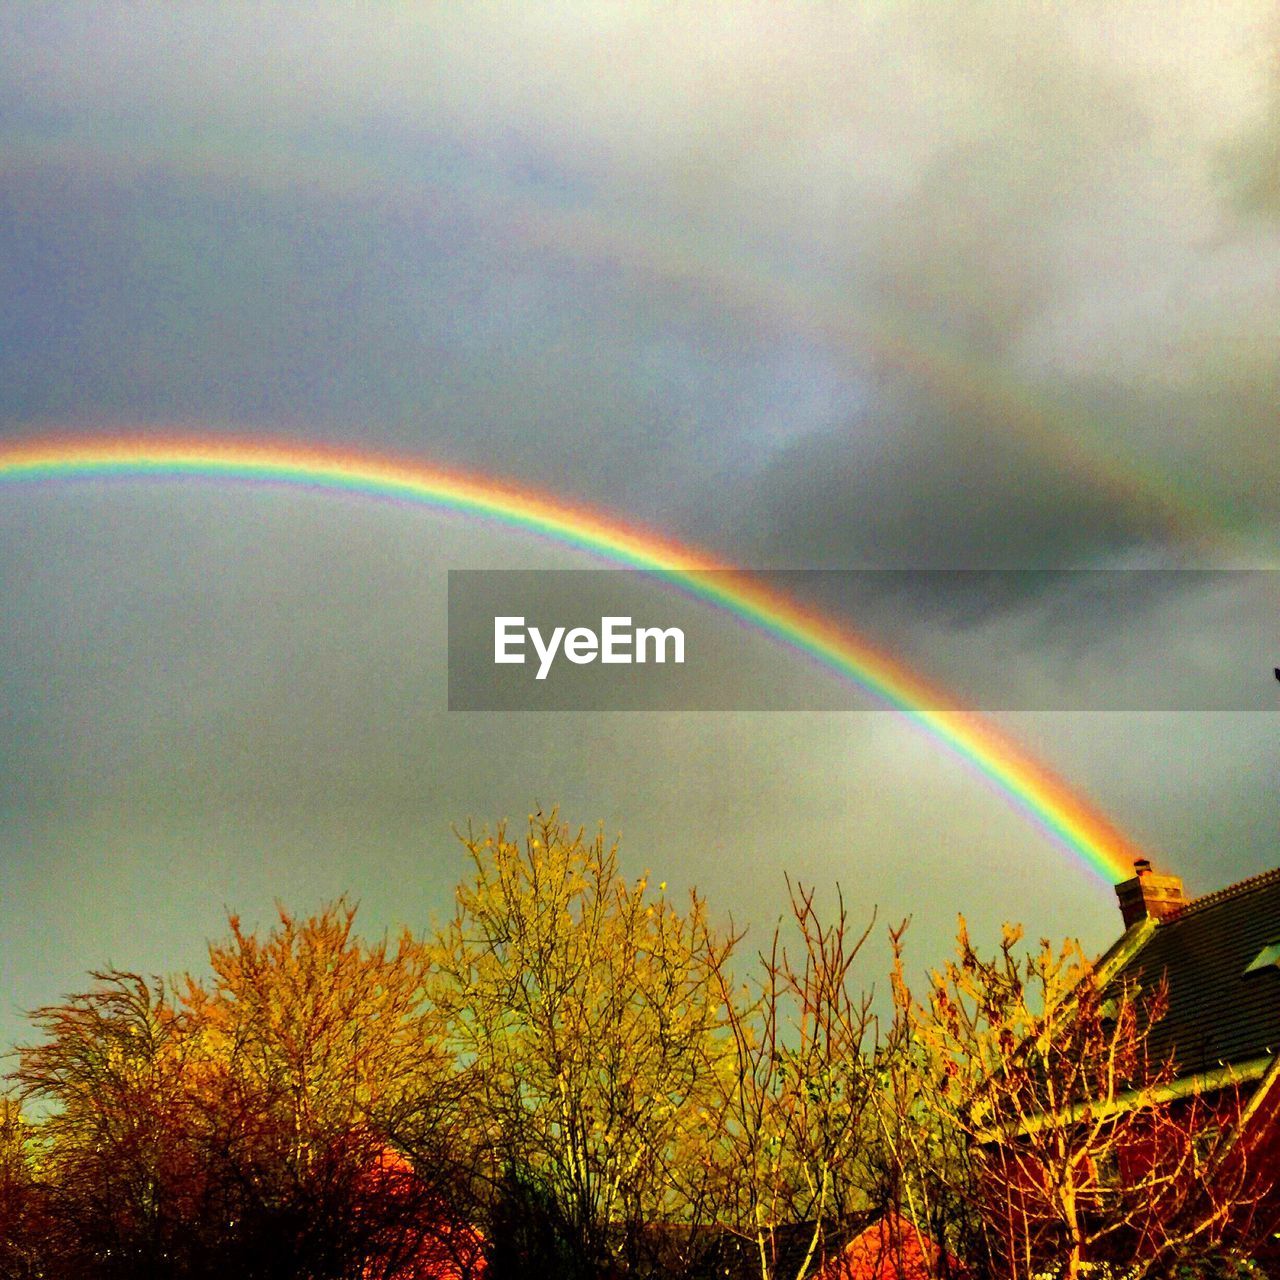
[1067, 436]
[1037, 792]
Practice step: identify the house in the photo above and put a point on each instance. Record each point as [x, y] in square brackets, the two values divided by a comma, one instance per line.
[1218, 957]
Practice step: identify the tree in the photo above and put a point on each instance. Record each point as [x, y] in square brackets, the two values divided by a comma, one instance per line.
[121, 1174]
[584, 1019]
[23, 1218]
[285, 1119]
[921, 1167]
[799, 1086]
[1075, 1152]
[324, 1083]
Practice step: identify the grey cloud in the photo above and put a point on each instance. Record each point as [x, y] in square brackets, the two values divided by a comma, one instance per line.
[906, 285]
[924, 485]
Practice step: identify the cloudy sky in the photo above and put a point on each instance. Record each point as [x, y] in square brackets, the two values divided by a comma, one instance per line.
[885, 286]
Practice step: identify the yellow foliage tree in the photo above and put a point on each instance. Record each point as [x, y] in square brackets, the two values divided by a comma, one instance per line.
[321, 1059]
[799, 1086]
[583, 1013]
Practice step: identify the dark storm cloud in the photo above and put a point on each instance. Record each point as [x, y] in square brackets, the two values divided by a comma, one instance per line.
[904, 285]
[917, 484]
[357, 260]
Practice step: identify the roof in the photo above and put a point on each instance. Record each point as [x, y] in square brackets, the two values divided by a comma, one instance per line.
[890, 1248]
[867, 1246]
[1218, 1014]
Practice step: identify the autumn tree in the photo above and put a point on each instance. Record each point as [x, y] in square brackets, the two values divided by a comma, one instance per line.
[286, 1118]
[798, 1091]
[920, 1166]
[121, 1170]
[1067, 1138]
[583, 1013]
[24, 1223]
[324, 1083]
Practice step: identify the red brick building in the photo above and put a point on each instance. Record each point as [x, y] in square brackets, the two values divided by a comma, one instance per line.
[1218, 957]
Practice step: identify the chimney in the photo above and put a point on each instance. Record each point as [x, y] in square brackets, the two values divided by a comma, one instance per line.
[1149, 896]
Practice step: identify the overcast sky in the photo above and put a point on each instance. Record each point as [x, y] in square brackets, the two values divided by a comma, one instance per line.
[901, 285]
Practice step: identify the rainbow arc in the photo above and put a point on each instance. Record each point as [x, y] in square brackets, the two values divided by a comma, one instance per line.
[1068, 819]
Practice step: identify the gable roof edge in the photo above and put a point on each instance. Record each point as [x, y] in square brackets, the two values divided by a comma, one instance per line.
[1118, 955]
[1265, 1069]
